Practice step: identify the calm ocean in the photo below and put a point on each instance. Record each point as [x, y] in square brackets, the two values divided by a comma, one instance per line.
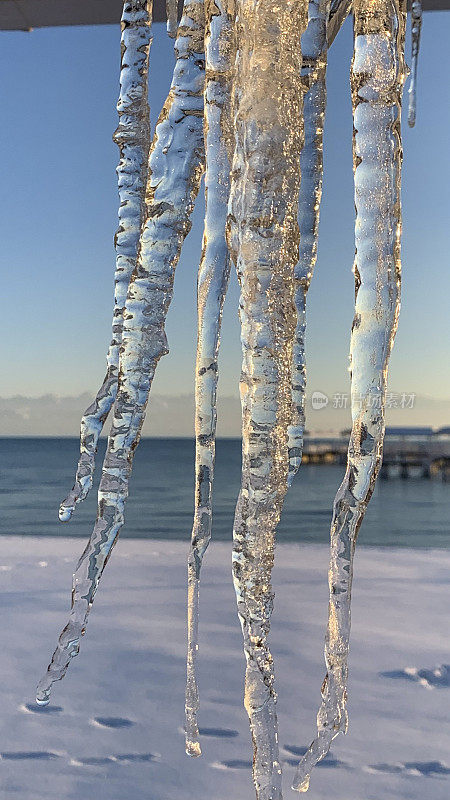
[37, 473]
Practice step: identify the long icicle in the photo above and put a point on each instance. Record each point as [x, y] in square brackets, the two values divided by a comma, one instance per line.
[314, 55]
[213, 277]
[416, 27]
[175, 170]
[377, 78]
[133, 138]
[263, 239]
[212, 287]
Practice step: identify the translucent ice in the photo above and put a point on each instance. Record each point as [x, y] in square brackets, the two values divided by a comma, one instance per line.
[175, 169]
[378, 73]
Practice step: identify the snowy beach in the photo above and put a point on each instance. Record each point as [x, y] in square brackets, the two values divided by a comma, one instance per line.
[114, 728]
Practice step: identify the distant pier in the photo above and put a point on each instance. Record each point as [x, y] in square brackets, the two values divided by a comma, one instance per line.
[408, 452]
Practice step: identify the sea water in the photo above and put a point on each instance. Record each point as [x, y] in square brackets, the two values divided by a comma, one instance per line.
[36, 472]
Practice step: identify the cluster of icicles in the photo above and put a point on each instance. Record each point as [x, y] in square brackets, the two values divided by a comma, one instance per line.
[246, 110]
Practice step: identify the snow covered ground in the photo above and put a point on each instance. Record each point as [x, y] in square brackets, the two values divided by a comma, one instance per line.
[114, 728]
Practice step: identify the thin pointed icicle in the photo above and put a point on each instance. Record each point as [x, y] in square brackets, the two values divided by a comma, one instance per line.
[263, 239]
[378, 73]
[175, 168]
[416, 27]
[133, 138]
[314, 55]
[213, 277]
[172, 17]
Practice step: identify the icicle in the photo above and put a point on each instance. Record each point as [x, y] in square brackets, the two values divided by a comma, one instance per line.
[416, 26]
[263, 239]
[378, 73]
[314, 54]
[133, 139]
[323, 25]
[212, 285]
[172, 17]
[175, 170]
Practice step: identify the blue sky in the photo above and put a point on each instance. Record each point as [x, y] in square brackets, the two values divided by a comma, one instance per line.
[59, 211]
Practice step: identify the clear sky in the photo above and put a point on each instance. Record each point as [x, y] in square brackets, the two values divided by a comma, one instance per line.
[59, 209]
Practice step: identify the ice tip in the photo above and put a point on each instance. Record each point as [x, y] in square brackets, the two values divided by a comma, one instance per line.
[42, 701]
[193, 749]
[300, 784]
[65, 513]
